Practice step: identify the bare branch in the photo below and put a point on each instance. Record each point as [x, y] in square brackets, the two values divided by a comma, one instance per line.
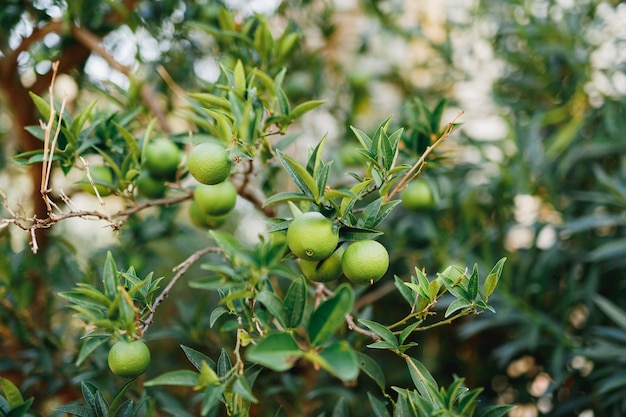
[419, 165]
[180, 270]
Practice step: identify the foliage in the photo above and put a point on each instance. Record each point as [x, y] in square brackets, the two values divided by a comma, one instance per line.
[299, 98]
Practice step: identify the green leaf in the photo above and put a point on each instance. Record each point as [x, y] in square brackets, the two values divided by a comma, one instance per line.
[239, 78]
[181, 378]
[276, 351]
[382, 331]
[224, 365]
[286, 196]
[303, 108]
[211, 100]
[340, 360]
[492, 279]
[42, 106]
[616, 314]
[118, 400]
[300, 176]
[372, 369]
[130, 140]
[81, 119]
[456, 305]
[88, 347]
[274, 305]
[378, 407]
[330, 315]
[76, 410]
[109, 276]
[406, 292]
[495, 410]
[341, 408]
[11, 393]
[211, 398]
[295, 302]
[242, 388]
[362, 137]
[353, 234]
[197, 358]
[423, 380]
[472, 286]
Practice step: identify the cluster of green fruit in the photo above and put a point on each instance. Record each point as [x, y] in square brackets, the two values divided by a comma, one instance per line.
[215, 196]
[160, 165]
[313, 238]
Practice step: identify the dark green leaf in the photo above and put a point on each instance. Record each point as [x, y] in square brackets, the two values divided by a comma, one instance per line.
[616, 314]
[211, 398]
[76, 410]
[295, 302]
[495, 410]
[196, 358]
[330, 315]
[472, 286]
[341, 408]
[299, 175]
[372, 369]
[224, 365]
[378, 407]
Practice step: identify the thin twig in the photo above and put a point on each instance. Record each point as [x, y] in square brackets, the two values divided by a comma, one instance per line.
[180, 270]
[417, 167]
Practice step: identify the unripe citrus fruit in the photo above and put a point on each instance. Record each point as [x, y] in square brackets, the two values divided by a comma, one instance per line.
[129, 359]
[311, 236]
[150, 187]
[326, 270]
[162, 158]
[200, 219]
[365, 261]
[418, 196]
[217, 199]
[102, 177]
[209, 163]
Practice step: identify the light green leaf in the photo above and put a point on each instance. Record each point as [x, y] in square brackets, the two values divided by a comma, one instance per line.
[274, 305]
[340, 360]
[492, 279]
[303, 108]
[109, 276]
[11, 393]
[182, 378]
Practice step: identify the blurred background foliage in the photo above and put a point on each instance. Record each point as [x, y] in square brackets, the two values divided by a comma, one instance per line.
[535, 173]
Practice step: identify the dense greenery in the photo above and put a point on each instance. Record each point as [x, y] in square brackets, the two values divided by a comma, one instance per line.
[505, 287]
